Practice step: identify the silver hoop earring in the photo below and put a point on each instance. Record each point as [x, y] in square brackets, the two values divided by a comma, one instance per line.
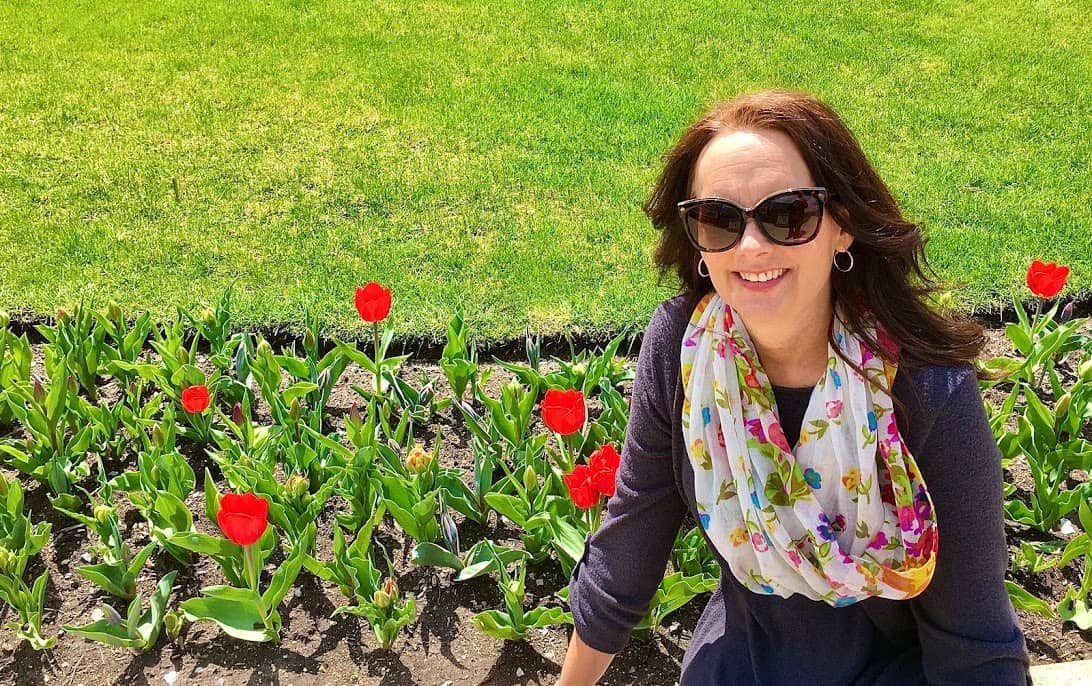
[838, 266]
[701, 263]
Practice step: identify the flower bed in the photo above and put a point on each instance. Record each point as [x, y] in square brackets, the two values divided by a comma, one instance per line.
[209, 506]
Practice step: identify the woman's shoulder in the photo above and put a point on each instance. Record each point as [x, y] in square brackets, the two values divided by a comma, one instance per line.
[934, 385]
[933, 391]
[671, 316]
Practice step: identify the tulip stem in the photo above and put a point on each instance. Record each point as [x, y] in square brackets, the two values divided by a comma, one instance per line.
[375, 340]
[1034, 325]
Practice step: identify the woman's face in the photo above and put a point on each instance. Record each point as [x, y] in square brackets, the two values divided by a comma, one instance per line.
[744, 167]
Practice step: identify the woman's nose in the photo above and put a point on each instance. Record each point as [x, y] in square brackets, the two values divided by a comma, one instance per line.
[752, 239]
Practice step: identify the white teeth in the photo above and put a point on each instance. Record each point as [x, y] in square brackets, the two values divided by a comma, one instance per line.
[763, 276]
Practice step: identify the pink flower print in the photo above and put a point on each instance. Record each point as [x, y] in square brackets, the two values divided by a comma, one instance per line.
[759, 542]
[794, 557]
[866, 353]
[734, 347]
[728, 319]
[893, 429]
[720, 436]
[721, 348]
[906, 518]
[890, 347]
[878, 541]
[755, 427]
[777, 436]
[834, 409]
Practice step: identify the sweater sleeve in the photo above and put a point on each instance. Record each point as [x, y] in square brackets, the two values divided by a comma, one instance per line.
[967, 626]
[624, 561]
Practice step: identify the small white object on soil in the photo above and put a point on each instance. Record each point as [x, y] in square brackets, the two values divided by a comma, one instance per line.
[170, 677]
[519, 672]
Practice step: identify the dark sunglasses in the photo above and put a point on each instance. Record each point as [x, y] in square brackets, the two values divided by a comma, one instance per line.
[788, 217]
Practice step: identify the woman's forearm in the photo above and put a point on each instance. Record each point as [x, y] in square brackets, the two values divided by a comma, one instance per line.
[583, 664]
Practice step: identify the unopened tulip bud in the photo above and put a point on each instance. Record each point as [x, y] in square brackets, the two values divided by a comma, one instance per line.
[450, 531]
[309, 340]
[62, 314]
[39, 391]
[103, 514]
[297, 485]
[390, 588]
[418, 460]
[113, 311]
[354, 415]
[1062, 408]
[530, 479]
[108, 613]
[159, 438]
[6, 558]
[237, 415]
[381, 599]
[1085, 370]
[183, 356]
[295, 410]
[73, 386]
[263, 348]
[580, 369]
[1067, 313]
[208, 316]
[172, 622]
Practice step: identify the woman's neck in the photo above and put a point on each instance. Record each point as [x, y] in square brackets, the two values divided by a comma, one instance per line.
[796, 358]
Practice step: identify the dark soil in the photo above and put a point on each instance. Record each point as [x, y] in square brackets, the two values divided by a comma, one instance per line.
[441, 647]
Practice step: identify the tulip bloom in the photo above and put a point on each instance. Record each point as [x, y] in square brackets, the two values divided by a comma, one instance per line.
[582, 490]
[604, 465]
[1048, 279]
[243, 518]
[373, 302]
[195, 399]
[563, 411]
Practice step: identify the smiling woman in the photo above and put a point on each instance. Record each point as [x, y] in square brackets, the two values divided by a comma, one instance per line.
[802, 401]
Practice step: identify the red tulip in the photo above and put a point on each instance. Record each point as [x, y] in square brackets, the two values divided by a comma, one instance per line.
[1046, 280]
[563, 411]
[195, 399]
[373, 302]
[604, 465]
[243, 518]
[581, 489]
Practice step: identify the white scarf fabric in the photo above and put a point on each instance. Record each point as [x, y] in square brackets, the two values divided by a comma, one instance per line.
[844, 515]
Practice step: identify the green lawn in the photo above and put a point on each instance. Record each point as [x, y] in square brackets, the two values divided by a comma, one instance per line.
[481, 153]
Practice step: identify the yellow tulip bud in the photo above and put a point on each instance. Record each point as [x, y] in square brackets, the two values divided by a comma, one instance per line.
[381, 599]
[103, 514]
[530, 479]
[1085, 370]
[113, 311]
[418, 460]
[1062, 408]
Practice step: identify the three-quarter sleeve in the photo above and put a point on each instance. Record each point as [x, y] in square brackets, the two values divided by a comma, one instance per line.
[625, 559]
[967, 626]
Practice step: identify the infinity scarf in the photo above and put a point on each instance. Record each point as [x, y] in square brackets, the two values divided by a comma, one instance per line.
[844, 515]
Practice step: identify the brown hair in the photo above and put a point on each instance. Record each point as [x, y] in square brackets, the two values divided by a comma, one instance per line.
[888, 285]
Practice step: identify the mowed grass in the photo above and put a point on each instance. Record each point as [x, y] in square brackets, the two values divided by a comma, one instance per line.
[494, 155]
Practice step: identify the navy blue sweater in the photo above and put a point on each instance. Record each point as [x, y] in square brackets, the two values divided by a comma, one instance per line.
[961, 630]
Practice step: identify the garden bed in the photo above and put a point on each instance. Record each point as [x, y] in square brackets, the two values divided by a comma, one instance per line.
[439, 647]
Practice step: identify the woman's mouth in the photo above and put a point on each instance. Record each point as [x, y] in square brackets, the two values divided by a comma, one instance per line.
[761, 281]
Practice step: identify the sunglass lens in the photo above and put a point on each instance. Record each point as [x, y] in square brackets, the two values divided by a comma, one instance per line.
[714, 225]
[791, 217]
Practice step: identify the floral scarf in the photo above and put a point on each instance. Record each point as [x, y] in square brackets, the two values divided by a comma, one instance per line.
[842, 516]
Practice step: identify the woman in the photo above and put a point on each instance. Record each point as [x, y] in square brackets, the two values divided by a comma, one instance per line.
[824, 426]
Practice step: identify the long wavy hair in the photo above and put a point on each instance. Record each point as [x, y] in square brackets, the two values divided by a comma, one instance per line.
[891, 283]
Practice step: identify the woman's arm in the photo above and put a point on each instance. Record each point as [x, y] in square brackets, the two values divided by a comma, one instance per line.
[583, 664]
[968, 629]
